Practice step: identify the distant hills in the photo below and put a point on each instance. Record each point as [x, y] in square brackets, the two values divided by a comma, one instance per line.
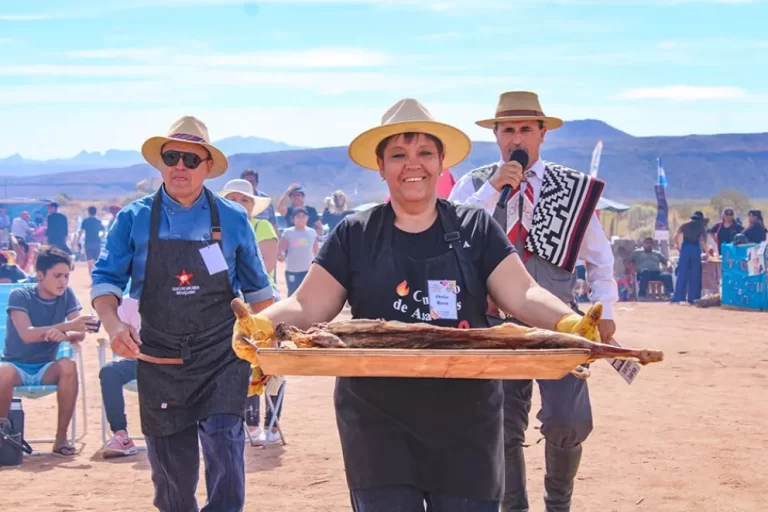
[697, 166]
[16, 165]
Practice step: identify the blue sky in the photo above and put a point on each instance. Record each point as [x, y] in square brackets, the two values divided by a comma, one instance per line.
[105, 74]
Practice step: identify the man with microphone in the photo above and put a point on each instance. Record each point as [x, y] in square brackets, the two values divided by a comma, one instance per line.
[547, 211]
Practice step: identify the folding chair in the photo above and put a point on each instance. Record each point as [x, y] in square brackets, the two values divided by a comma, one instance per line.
[274, 422]
[35, 392]
[131, 386]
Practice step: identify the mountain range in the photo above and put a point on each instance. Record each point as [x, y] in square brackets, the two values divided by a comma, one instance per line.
[697, 166]
[16, 164]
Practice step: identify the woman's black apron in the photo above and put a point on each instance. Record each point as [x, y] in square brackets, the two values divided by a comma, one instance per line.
[186, 313]
[442, 435]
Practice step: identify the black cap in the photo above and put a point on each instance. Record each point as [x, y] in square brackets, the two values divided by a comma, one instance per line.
[697, 215]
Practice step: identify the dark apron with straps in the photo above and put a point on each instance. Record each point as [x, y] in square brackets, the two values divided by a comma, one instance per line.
[186, 313]
[442, 435]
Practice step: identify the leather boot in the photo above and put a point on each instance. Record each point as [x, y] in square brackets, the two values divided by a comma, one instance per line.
[562, 466]
[515, 494]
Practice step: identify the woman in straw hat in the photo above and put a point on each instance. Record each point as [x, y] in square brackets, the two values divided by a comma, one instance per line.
[188, 253]
[407, 441]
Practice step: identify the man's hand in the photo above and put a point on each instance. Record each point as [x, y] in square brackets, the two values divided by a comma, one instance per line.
[607, 330]
[55, 335]
[83, 323]
[125, 341]
[511, 173]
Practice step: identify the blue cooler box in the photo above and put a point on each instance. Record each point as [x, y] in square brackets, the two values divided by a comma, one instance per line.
[739, 289]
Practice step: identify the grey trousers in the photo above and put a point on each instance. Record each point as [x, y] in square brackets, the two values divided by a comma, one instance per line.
[566, 422]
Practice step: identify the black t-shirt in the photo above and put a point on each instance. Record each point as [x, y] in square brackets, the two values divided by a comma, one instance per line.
[692, 231]
[57, 228]
[92, 228]
[725, 234]
[755, 233]
[487, 243]
[333, 219]
[313, 216]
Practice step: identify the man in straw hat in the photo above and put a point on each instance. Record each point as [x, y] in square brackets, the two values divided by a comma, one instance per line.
[188, 254]
[417, 258]
[550, 219]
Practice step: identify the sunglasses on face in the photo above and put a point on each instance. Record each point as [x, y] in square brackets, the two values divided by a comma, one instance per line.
[191, 160]
[729, 214]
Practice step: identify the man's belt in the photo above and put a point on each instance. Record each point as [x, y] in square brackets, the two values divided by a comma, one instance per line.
[159, 360]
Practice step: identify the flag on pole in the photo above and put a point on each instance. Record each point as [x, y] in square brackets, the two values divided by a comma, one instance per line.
[596, 159]
[660, 172]
[661, 231]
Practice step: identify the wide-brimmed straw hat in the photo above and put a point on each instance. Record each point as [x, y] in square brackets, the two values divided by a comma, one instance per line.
[409, 116]
[520, 106]
[187, 129]
[244, 187]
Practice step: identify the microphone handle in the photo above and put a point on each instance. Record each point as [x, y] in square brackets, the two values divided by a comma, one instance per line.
[505, 191]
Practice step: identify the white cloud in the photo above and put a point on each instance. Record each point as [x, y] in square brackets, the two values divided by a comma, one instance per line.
[683, 93]
[314, 58]
[24, 17]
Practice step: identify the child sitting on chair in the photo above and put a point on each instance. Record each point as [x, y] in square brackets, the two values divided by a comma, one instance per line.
[39, 318]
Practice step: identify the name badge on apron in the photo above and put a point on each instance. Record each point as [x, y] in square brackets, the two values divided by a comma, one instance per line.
[213, 258]
[442, 299]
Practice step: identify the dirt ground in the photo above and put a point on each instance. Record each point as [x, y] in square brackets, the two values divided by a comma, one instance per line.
[689, 434]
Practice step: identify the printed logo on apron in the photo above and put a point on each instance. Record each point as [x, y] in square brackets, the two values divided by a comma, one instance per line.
[185, 285]
[416, 303]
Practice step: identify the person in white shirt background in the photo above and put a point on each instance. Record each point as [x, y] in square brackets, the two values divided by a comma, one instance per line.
[113, 376]
[552, 234]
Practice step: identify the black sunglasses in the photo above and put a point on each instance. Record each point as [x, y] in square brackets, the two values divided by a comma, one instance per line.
[191, 160]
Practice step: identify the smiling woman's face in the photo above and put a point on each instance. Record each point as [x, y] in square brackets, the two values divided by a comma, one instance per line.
[411, 166]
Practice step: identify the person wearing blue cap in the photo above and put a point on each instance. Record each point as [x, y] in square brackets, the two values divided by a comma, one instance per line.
[295, 194]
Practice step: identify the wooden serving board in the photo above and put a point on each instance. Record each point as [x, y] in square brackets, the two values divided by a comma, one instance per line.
[452, 364]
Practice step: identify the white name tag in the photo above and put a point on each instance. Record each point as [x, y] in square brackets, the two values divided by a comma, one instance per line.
[626, 368]
[442, 300]
[213, 258]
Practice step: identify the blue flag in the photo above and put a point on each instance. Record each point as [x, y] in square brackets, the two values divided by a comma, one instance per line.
[662, 176]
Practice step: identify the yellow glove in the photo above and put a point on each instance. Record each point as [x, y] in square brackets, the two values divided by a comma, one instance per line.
[258, 380]
[584, 326]
[256, 328]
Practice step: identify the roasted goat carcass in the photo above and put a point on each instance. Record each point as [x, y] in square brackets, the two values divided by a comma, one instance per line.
[381, 334]
[389, 334]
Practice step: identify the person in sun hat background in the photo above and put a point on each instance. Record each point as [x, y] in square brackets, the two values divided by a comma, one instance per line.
[241, 192]
[188, 253]
[408, 441]
[551, 235]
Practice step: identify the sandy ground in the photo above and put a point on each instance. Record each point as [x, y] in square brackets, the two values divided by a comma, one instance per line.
[688, 435]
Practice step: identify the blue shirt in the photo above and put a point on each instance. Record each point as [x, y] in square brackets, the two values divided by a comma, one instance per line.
[269, 213]
[42, 313]
[125, 255]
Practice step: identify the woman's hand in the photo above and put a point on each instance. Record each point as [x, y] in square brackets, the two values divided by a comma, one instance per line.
[585, 326]
[250, 332]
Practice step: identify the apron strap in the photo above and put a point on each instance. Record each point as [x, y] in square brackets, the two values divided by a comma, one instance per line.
[453, 237]
[215, 220]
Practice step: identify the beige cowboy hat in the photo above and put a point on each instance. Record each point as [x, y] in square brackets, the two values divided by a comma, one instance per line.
[244, 187]
[187, 129]
[520, 106]
[408, 115]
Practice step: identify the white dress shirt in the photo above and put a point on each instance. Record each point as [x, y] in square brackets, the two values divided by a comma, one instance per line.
[595, 248]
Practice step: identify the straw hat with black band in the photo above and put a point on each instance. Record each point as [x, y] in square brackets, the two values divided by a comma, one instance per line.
[520, 106]
[187, 129]
[409, 116]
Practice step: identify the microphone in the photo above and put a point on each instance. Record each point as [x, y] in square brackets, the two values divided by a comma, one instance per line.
[521, 157]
